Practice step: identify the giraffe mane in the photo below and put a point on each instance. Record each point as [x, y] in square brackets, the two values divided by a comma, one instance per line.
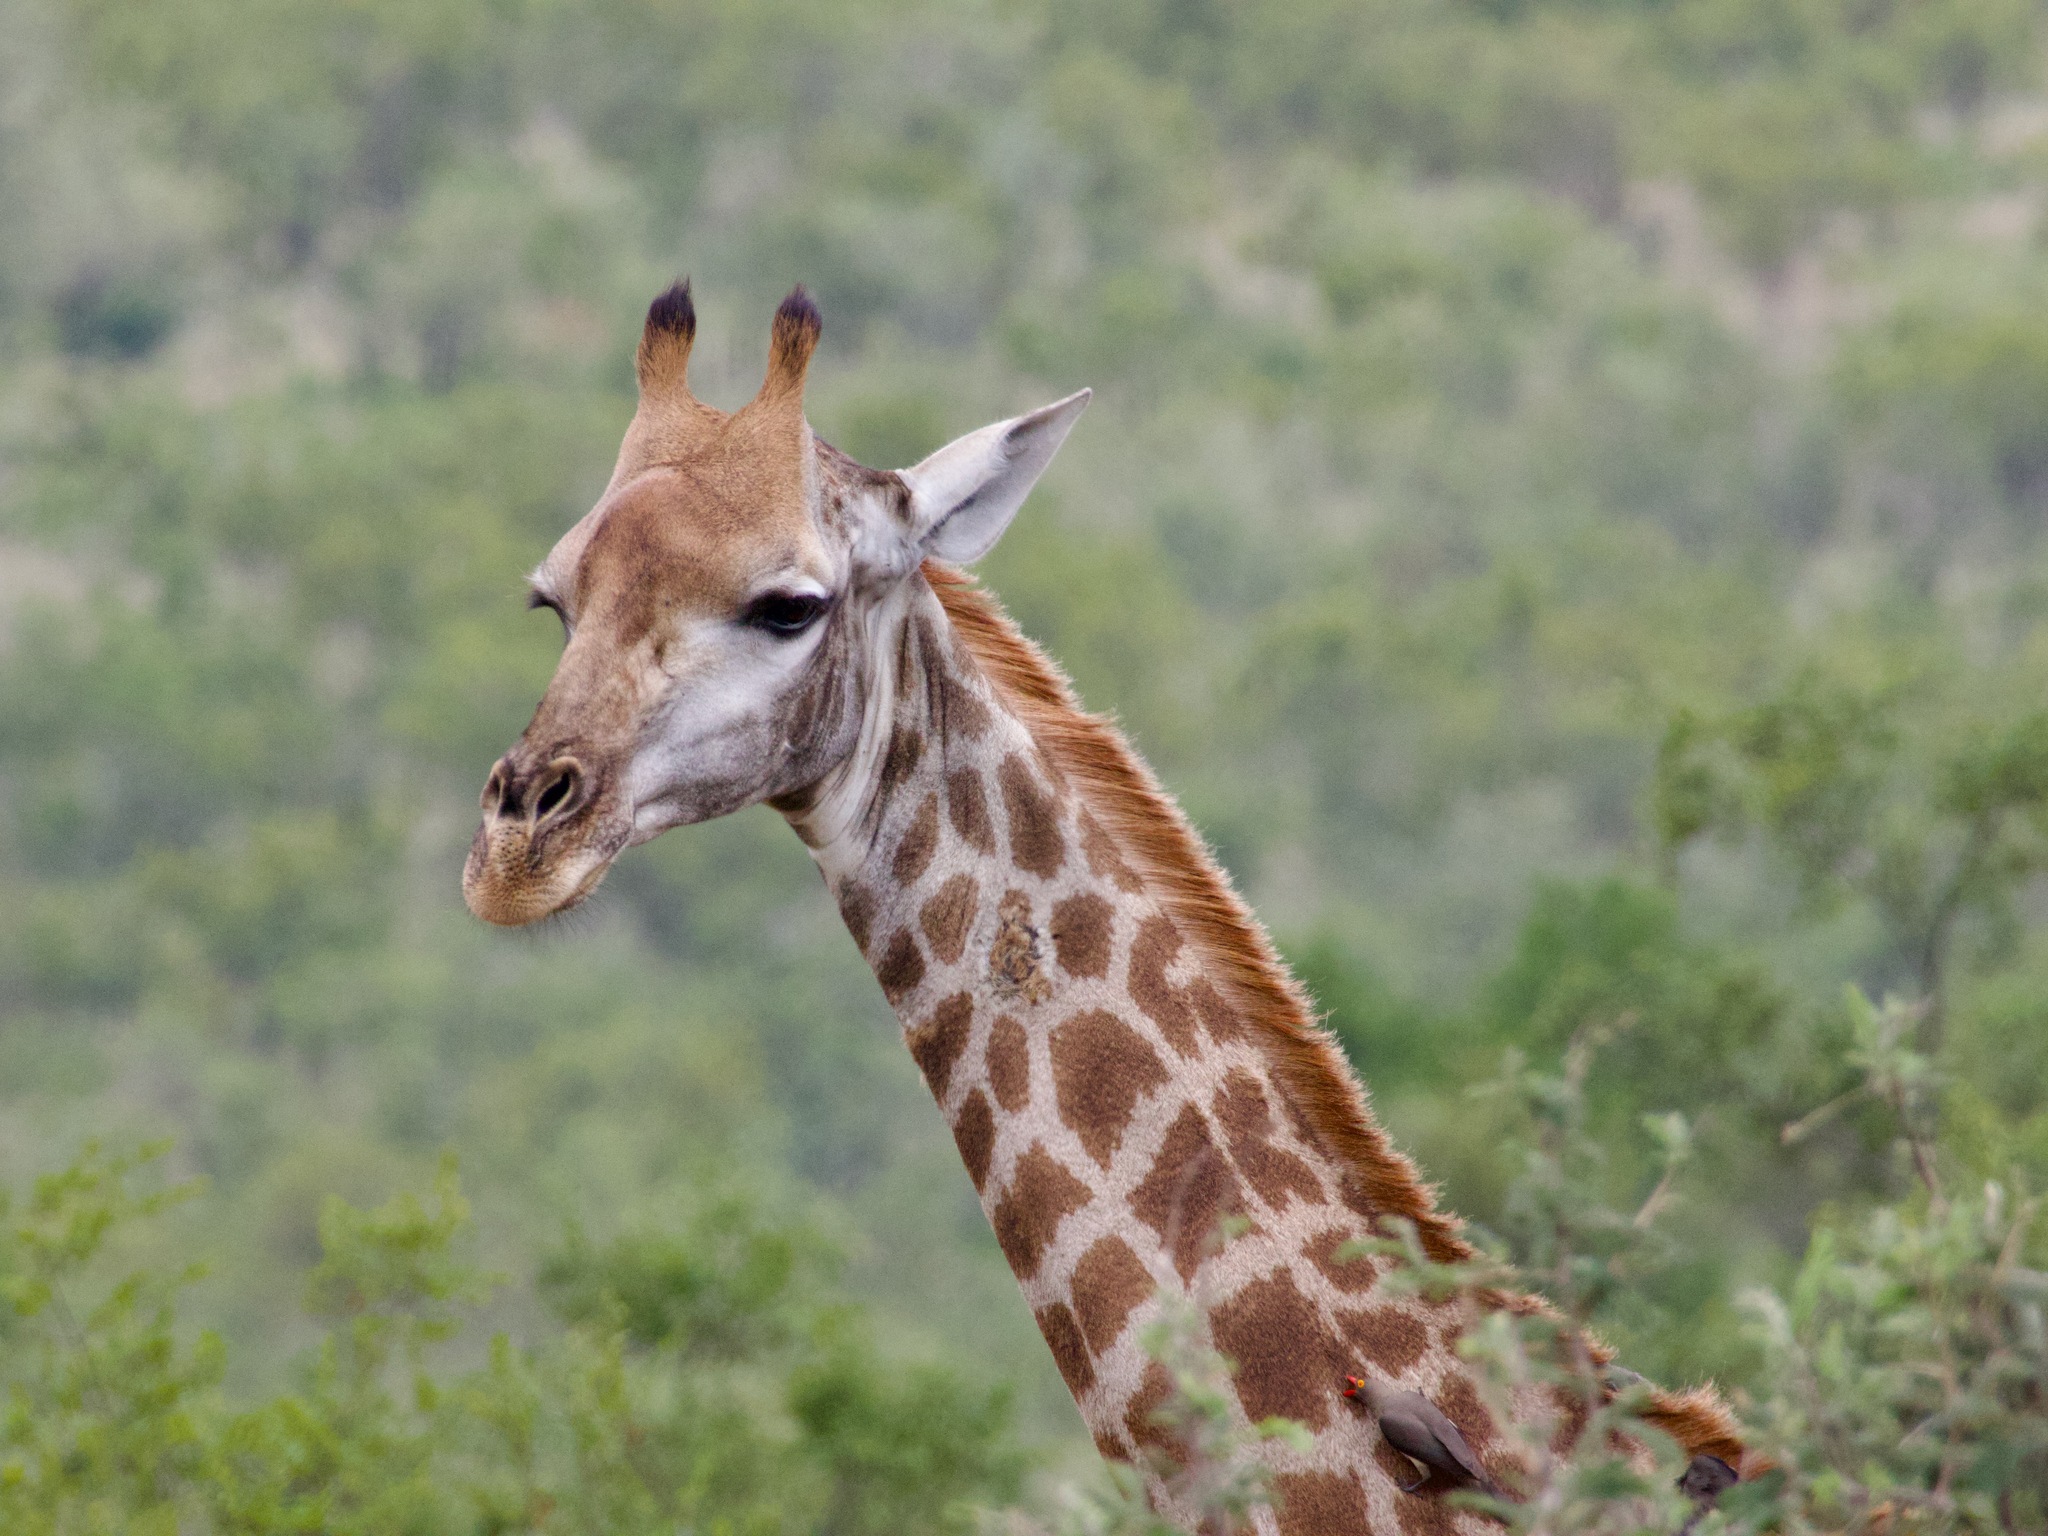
[1151, 827]
[1308, 1065]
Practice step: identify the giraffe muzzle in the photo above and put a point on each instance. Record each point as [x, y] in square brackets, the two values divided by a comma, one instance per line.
[543, 844]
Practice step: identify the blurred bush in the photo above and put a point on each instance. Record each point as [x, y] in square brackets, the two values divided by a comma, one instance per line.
[115, 1420]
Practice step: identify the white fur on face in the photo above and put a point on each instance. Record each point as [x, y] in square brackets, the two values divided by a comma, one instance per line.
[725, 739]
[716, 740]
[840, 822]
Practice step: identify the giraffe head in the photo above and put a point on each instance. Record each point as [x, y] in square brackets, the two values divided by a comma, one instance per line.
[727, 605]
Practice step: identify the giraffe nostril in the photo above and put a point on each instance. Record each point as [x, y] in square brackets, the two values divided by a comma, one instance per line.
[497, 796]
[559, 793]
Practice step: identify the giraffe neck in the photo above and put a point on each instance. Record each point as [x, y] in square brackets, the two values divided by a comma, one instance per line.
[1133, 1133]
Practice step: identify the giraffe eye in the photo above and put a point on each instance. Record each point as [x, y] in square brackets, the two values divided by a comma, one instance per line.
[539, 599]
[786, 614]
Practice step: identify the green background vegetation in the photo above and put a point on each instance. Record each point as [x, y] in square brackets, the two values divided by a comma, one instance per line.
[1564, 505]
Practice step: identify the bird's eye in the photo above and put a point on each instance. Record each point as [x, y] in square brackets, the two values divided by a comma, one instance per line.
[786, 614]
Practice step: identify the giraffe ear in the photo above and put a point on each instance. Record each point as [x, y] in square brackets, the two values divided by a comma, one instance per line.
[963, 496]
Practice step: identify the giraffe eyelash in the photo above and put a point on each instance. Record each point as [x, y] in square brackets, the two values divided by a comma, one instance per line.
[535, 598]
[785, 614]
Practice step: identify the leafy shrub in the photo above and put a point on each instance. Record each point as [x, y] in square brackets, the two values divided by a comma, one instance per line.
[633, 1415]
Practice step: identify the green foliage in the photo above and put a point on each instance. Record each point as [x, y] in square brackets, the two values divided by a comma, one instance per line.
[1929, 814]
[97, 1430]
[1901, 1367]
[901, 1453]
[1611, 957]
[114, 1424]
[1911, 1355]
[721, 1288]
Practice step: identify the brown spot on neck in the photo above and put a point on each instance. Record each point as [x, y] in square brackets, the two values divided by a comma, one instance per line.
[1110, 1283]
[1222, 1021]
[1081, 934]
[967, 806]
[901, 967]
[1063, 1335]
[950, 700]
[1321, 1504]
[906, 751]
[1188, 1193]
[1462, 1405]
[1350, 1273]
[936, 1044]
[1152, 951]
[1286, 1366]
[1036, 846]
[1009, 1064]
[1275, 1173]
[1042, 1194]
[1101, 1067]
[920, 842]
[1144, 1424]
[857, 911]
[1104, 859]
[1384, 1337]
[1425, 1514]
[948, 916]
[974, 1133]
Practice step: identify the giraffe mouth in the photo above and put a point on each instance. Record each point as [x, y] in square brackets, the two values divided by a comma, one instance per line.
[510, 880]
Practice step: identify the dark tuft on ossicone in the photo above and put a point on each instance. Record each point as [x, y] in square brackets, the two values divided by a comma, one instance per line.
[672, 313]
[797, 317]
[790, 345]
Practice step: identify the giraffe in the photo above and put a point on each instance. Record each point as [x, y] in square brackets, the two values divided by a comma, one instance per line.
[1139, 1090]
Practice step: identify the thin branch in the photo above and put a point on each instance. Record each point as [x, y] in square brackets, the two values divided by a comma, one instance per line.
[2015, 1236]
[1923, 1154]
[1933, 959]
[1659, 1197]
[1814, 1119]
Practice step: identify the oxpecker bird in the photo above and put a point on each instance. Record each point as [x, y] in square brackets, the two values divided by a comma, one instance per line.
[1419, 1430]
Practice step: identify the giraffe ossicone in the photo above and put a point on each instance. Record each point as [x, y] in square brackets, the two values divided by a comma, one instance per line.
[1137, 1087]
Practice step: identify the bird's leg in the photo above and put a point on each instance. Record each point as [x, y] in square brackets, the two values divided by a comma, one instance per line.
[1411, 1487]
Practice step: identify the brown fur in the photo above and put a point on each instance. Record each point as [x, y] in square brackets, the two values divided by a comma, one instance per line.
[1148, 827]
[755, 456]
[791, 343]
[671, 421]
[663, 360]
